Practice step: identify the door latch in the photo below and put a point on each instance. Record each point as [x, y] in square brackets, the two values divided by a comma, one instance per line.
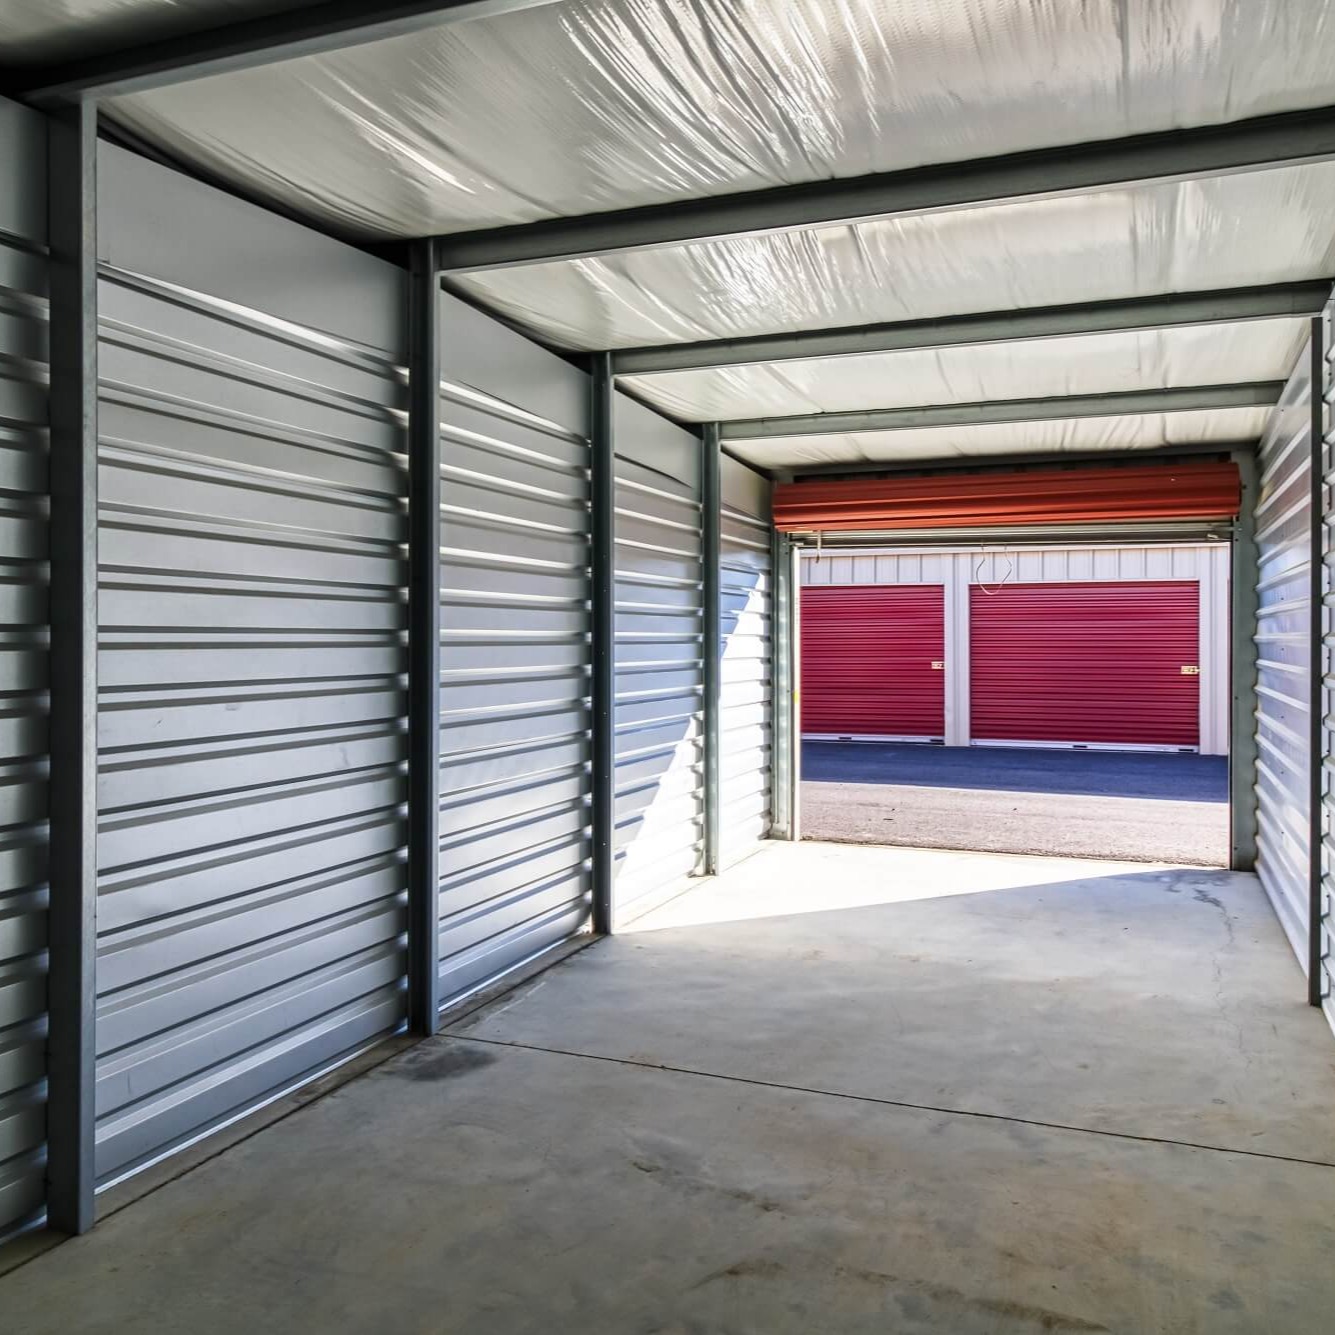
[1191, 670]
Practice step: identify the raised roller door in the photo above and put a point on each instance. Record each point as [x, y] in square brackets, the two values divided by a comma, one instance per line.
[1113, 664]
[873, 659]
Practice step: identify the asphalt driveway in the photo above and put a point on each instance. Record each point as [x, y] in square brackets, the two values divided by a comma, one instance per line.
[1137, 806]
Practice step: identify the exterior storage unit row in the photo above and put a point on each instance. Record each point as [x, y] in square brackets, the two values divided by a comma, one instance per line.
[1117, 647]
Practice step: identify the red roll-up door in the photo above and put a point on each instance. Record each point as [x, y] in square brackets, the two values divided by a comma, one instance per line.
[872, 658]
[1097, 663]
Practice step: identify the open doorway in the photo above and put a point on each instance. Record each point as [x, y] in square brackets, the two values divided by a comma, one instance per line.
[1057, 699]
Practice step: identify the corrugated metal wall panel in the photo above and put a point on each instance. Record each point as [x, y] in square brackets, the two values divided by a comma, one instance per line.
[515, 840]
[1085, 663]
[659, 659]
[873, 660]
[251, 836]
[746, 739]
[23, 663]
[1283, 646]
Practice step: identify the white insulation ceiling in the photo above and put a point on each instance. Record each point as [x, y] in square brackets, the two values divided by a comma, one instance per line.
[586, 105]
[1038, 368]
[573, 107]
[1227, 426]
[1222, 232]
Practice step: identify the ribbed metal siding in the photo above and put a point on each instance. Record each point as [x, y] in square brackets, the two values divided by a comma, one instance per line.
[872, 660]
[659, 659]
[1093, 663]
[515, 650]
[746, 739]
[1283, 646]
[1326, 817]
[23, 650]
[251, 728]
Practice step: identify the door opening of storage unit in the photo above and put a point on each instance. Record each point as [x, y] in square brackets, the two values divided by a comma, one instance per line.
[1017, 691]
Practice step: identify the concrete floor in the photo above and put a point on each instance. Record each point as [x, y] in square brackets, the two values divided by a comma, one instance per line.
[841, 1089]
[1135, 806]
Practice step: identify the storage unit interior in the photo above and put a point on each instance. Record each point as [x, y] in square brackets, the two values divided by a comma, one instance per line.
[461, 461]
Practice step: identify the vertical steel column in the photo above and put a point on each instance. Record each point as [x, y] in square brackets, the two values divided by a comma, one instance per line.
[603, 602]
[795, 691]
[72, 914]
[780, 689]
[711, 541]
[423, 639]
[1316, 832]
[1243, 604]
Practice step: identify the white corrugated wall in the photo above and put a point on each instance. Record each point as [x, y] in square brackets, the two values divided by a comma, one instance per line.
[1283, 648]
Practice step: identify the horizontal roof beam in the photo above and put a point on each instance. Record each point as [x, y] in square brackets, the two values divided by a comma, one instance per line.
[1020, 459]
[1291, 139]
[225, 48]
[1172, 311]
[1139, 402]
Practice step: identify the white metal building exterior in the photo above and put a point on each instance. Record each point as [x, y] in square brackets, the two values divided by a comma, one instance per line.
[959, 569]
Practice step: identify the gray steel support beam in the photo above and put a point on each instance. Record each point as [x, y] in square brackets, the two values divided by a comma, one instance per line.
[423, 640]
[603, 602]
[795, 690]
[72, 915]
[1021, 459]
[1174, 155]
[1244, 603]
[179, 56]
[1188, 398]
[1316, 718]
[1173, 311]
[781, 780]
[711, 554]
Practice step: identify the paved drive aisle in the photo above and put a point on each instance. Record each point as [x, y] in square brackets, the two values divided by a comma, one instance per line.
[1139, 806]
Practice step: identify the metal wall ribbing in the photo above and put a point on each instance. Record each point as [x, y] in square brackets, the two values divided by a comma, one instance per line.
[1322, 939]
[515, 787]
[1284, 643]
[252, 787]
[746, 731]
[251, 837]
[23, 662]
[659, 663]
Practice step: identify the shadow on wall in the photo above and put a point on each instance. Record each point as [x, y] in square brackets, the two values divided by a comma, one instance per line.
[1165, 776]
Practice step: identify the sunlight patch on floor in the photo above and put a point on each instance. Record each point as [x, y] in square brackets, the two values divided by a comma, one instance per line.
[813, 877]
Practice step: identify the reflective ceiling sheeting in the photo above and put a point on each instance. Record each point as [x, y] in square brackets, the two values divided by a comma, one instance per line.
[522, 111]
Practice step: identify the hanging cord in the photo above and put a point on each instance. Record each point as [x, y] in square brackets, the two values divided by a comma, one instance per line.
[977, 571]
